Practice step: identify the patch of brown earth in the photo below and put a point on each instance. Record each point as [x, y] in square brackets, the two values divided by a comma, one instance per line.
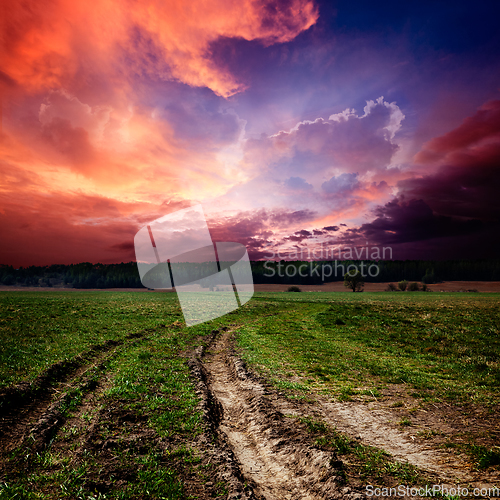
[423, 435]
[338, 286]
[274, 453]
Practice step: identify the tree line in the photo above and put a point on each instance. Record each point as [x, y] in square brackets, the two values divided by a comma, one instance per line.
[125, 275]
[382, 271]
[83, 275]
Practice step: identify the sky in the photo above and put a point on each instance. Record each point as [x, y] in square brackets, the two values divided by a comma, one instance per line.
[298, 125]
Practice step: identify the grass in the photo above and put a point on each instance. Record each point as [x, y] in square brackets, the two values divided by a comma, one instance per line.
[40, 329]
[405, 422]
[443, 346]
[148, 378]
[153, 379]
[482, 456]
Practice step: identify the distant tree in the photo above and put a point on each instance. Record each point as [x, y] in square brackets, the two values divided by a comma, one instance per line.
[8, 279]
[429, 277]
[354, 280]
[402, 285]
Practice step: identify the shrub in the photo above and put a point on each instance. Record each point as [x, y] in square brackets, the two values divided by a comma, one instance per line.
[293, 289]
[402, 285]
[429, 277]
[413, 287]
[391, 287]
[425, 288]
[8, 279]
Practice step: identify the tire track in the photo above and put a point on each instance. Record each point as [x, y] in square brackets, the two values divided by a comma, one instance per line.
[275, 458]
[32, 413]
[377, 427]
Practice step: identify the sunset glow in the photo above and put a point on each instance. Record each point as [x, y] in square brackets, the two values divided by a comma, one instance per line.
[294, 123]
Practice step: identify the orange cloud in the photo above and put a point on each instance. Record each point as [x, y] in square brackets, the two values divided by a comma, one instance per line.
[129, 154]
[54, 227]
[52, 44]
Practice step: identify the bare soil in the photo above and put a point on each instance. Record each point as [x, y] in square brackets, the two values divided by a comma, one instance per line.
[274, 452]
[254, 442]
[335, 286]
[420, 443]
[433, 438]
[338, 286]
[243, 396]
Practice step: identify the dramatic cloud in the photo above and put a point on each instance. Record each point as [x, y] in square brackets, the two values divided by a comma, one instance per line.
[51, 44]
[470, 138]
[261, 230]
[345, 142]
[325, 165]
[115, 113]
[68, 228]
[466, 182]
[61, 105]
[460, 198]
[399, 222]
[303, 234]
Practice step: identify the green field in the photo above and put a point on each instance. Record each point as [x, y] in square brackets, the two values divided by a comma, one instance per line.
[442, 347]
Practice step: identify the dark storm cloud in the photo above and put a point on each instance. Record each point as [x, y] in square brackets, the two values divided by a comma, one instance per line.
[254, 228]
[459, 199]
[467, 183]
[303, 234]
[401, 221]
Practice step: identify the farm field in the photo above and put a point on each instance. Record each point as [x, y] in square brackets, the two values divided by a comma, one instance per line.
[108, 395]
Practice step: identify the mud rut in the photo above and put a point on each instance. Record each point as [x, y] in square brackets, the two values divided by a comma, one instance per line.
[33, 413]
[262, 451]
[272, 451]
[274, 454]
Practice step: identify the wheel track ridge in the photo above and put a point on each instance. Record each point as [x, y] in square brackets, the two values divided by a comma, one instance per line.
[213, 413]
[49, 414]
[267, 431]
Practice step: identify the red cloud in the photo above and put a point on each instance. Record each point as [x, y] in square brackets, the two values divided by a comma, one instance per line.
[51, 228]
[475, 133]
[72, 142]
[467, 180]
[49, 44]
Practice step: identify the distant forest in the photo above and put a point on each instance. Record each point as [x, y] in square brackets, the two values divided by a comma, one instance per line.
[125, 275]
